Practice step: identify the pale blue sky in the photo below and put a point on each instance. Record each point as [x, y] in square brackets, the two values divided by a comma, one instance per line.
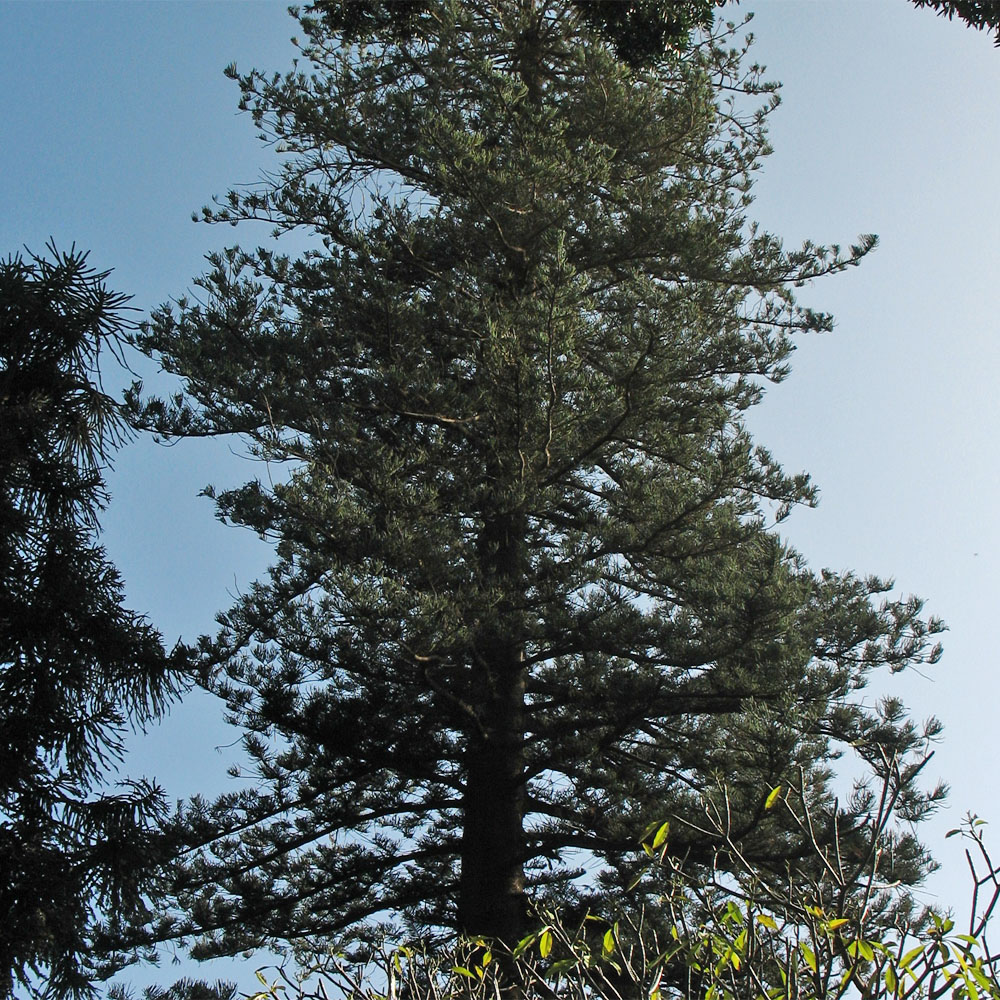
[116, 123]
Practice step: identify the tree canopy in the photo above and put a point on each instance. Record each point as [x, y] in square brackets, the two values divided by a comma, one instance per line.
[979, 14]
[641, 32]
[529, 596]
[76, 667]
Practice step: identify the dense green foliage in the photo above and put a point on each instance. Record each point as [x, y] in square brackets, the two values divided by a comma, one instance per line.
[528, 595]
[75, 666]
[979, 14]
[641, 32]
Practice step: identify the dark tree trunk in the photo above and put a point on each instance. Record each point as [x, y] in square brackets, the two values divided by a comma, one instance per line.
[491, 888]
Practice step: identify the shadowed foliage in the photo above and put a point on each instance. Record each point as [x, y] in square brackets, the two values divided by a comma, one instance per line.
[76, 668]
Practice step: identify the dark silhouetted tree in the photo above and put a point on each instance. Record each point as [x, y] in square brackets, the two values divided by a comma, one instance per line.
[76, 668]
[980, 14]
[641, 32]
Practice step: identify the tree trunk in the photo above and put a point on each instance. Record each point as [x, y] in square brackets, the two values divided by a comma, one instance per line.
[491, 888]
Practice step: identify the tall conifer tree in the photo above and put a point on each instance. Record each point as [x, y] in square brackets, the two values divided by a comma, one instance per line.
[528, 595]
[77, 669]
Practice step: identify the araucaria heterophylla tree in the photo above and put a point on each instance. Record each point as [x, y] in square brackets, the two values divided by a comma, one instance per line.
[78, 670]
[529, 596]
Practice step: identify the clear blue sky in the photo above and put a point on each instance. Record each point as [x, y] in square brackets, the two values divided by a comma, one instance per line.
[116, 123]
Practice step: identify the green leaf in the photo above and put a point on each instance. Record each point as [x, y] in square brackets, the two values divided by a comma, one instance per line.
[767, 921]
[524, 943]
[462, 971]
[665, 956]
[862, 949]
[557, 968]
[609, 941]
[661, 835]
[650, 827]
[970, 985]
[977, 972]
[808, 955]
[545, 943]
[891, 981]
[772, 797]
